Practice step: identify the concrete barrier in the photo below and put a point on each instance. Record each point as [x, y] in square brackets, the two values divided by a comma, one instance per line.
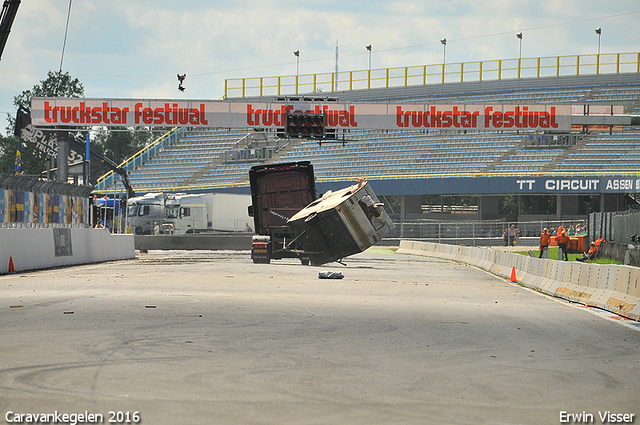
[208, 241]
[613, 288]
[38, 248]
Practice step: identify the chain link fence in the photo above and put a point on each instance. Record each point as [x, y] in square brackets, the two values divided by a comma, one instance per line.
[482, 233]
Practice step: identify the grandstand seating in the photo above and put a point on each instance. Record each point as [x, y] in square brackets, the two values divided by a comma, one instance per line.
[198, 160]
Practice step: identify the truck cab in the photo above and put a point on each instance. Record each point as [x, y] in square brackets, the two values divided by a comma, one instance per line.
[144, 211]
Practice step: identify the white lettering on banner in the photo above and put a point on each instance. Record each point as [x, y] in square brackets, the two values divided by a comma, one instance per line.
[530, 183]
[74, 112]
[571, 184]
[621, 184]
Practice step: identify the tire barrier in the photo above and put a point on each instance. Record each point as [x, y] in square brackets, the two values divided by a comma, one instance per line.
[614, 288]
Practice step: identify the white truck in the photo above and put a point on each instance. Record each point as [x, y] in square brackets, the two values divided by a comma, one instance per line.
[183, 213]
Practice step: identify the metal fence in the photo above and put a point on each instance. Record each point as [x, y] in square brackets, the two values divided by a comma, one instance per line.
[615, 227]
[30, 202]
[478, 233]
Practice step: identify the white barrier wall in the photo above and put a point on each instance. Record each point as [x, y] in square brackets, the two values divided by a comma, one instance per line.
[610, 287]
[36, 248]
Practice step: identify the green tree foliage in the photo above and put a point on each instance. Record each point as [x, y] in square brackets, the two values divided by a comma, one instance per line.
[117, 145]
[56, 84]
[121, 143]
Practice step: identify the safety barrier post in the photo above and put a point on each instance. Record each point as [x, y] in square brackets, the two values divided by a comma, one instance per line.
[480, 71]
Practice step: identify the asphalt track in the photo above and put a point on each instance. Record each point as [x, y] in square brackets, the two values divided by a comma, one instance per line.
[198, 337]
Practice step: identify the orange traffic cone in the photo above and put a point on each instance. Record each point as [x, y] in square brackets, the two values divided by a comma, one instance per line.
[11, 268]
[513, 275]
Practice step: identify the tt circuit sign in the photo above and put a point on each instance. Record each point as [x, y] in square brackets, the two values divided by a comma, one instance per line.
[498, 185]
[58, 112]
[577, 185]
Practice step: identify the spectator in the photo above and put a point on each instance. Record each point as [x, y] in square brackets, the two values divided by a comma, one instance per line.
[156, 228]
[513, 234]
[589, 255]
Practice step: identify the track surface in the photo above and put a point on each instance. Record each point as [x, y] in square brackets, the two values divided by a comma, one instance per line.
[210, 338]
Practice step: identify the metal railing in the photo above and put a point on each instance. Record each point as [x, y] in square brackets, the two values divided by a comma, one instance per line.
[139, 158]
[478, 232]
[549, 66]
[353, 178]
[616, 227]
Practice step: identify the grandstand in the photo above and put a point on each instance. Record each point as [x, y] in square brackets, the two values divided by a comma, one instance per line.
[219, 159]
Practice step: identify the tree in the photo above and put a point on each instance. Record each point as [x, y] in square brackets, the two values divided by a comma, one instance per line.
[122, 143]
[57, 84]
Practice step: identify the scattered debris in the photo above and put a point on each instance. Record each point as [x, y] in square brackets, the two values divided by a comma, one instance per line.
[149, 306]
[16, 306]
[68, 312]
[330, 275]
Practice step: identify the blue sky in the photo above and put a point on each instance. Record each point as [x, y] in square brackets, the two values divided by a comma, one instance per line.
[134, 49]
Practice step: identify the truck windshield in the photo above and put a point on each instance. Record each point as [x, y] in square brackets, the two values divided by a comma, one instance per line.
[171, 212]
[132, 209]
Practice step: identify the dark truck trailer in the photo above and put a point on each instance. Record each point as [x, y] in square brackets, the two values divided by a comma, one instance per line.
[291, 223]
[278, 192]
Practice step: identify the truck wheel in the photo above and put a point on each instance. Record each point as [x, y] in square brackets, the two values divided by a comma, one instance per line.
[305, 261]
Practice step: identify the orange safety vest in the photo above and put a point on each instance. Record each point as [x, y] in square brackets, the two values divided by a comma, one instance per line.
[545, 238]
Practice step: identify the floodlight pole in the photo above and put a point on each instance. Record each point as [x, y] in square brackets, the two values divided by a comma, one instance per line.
[444, 56]
[519, 35]
[297, 53]
[369, 74]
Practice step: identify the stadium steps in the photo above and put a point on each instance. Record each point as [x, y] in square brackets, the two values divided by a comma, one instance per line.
[202, 171]
[564, 155]
[490, 167]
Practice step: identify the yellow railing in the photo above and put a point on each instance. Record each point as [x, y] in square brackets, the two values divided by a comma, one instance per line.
[551, 66]
[346, 179]
[138, 158]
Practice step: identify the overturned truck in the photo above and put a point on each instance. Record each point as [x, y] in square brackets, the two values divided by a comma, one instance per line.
[291, 222]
